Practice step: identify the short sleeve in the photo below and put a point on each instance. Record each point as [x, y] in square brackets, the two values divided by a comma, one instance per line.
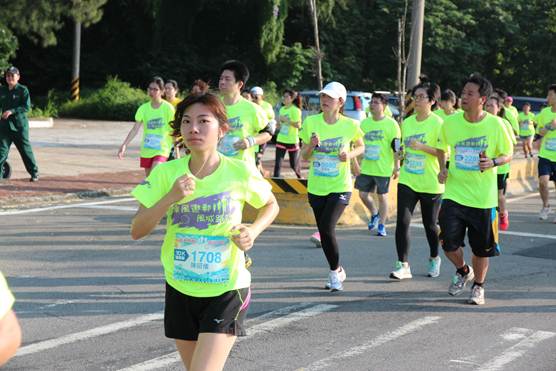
[6, 297]
[305, 131]
[170, 111]
[153, 188]
[295, 115]
[258, 189]
[504, 145]
[358, 133]
[442, 143]
[139, 115]
[260, 119]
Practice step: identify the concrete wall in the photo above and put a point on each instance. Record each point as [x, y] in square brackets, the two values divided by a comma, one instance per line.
[295, 209]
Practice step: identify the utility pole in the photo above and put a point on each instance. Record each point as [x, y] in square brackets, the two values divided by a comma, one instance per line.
[313, 7]
[416, 42]
[76, 59]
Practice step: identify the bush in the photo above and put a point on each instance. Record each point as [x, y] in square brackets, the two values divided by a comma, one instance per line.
[116, 100]
[42, 107]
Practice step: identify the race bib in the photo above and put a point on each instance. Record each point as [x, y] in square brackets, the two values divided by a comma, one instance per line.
[203, 259]
[372, 152]
[326, 165]
[152, 141]
[467, 158]
[524, 125]
[226, 145]
[285, 129]
[414, 163]
[550, 144]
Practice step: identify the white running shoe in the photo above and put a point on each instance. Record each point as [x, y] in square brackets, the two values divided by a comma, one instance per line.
[434, 267]
[477, 296]
[459, 282]
[543, 215]
[402, 271]
[335, 279]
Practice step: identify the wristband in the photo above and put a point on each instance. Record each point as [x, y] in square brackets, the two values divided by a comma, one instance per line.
[251, 141]
[494, 163]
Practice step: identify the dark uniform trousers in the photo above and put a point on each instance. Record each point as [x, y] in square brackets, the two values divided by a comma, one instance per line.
[15, 129]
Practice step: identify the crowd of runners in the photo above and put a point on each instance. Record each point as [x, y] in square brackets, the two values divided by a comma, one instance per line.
[450, 155]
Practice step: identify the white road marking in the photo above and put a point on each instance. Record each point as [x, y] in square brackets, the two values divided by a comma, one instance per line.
[376, 342]
[510, 233]
[103, 207]
[69, 206]
[516, 351]
[516, 333]
[84, 335]
[172, 358]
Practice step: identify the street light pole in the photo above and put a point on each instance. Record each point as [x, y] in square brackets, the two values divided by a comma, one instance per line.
[313, 6]
[416, 42]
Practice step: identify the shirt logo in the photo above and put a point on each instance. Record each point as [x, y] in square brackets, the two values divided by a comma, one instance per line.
[203, 212]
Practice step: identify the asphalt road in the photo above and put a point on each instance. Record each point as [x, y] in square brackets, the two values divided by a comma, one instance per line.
[89, 298]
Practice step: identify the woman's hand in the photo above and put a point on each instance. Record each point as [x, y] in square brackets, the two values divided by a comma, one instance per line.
[183, 187]
[121, 151]
[243, 237]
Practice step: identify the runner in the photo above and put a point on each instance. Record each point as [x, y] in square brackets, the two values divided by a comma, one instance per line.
[248, 126]
[526, 120]
[327, 139]
[495, 107]
[382, 139]
[510, 114]
[171, 91]
[447, 103]
[546, 127]
[247, 95]
[154, 117]
[202, 196]
[170, 95]
[477, 142]
[258, 98]
[10, 331]
[418, 181]
[289, 123]
[199, 87]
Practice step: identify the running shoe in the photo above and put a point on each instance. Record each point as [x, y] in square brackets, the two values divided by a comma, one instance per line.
[543, 215]
[335, 279]
[381, 230]
[402, 271]
[434, 267]
[477, 295]
[459, 282]
[373, 222]
[504, 221]
[315, 238]
[248, 260]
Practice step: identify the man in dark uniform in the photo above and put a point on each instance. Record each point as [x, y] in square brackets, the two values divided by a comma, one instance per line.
[14, 126]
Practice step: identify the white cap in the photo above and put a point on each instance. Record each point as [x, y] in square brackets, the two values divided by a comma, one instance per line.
[335, 90]
[257, 90]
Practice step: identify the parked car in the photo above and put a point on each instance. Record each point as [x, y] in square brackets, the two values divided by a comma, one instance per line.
[355, 106]
[537, 104]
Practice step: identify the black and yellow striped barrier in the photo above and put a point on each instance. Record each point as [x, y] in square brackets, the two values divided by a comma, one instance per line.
[281, 185]
[75, 89]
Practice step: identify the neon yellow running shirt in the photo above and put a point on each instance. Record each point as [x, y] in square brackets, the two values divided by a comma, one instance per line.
[327, 174]
[548, 143]
[420, 169]
[289, 134]
[157, 132]
[526, 124]
[198, 256]
[378, 158]
[466, 184]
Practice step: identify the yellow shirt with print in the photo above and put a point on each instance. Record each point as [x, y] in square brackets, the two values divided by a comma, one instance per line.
[466, 183]
[327, 174]
[548, 143]
[197, 254]
[378, 158]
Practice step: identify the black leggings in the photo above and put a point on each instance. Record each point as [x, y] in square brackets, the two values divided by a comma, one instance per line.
[327, 210]
[430, 206]
[294, 161]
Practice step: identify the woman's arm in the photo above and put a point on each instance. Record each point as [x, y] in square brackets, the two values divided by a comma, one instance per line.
[132, 133]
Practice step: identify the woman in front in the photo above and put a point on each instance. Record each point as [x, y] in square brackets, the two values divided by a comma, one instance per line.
[330, 141]
[202, 196]
[418, 180]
